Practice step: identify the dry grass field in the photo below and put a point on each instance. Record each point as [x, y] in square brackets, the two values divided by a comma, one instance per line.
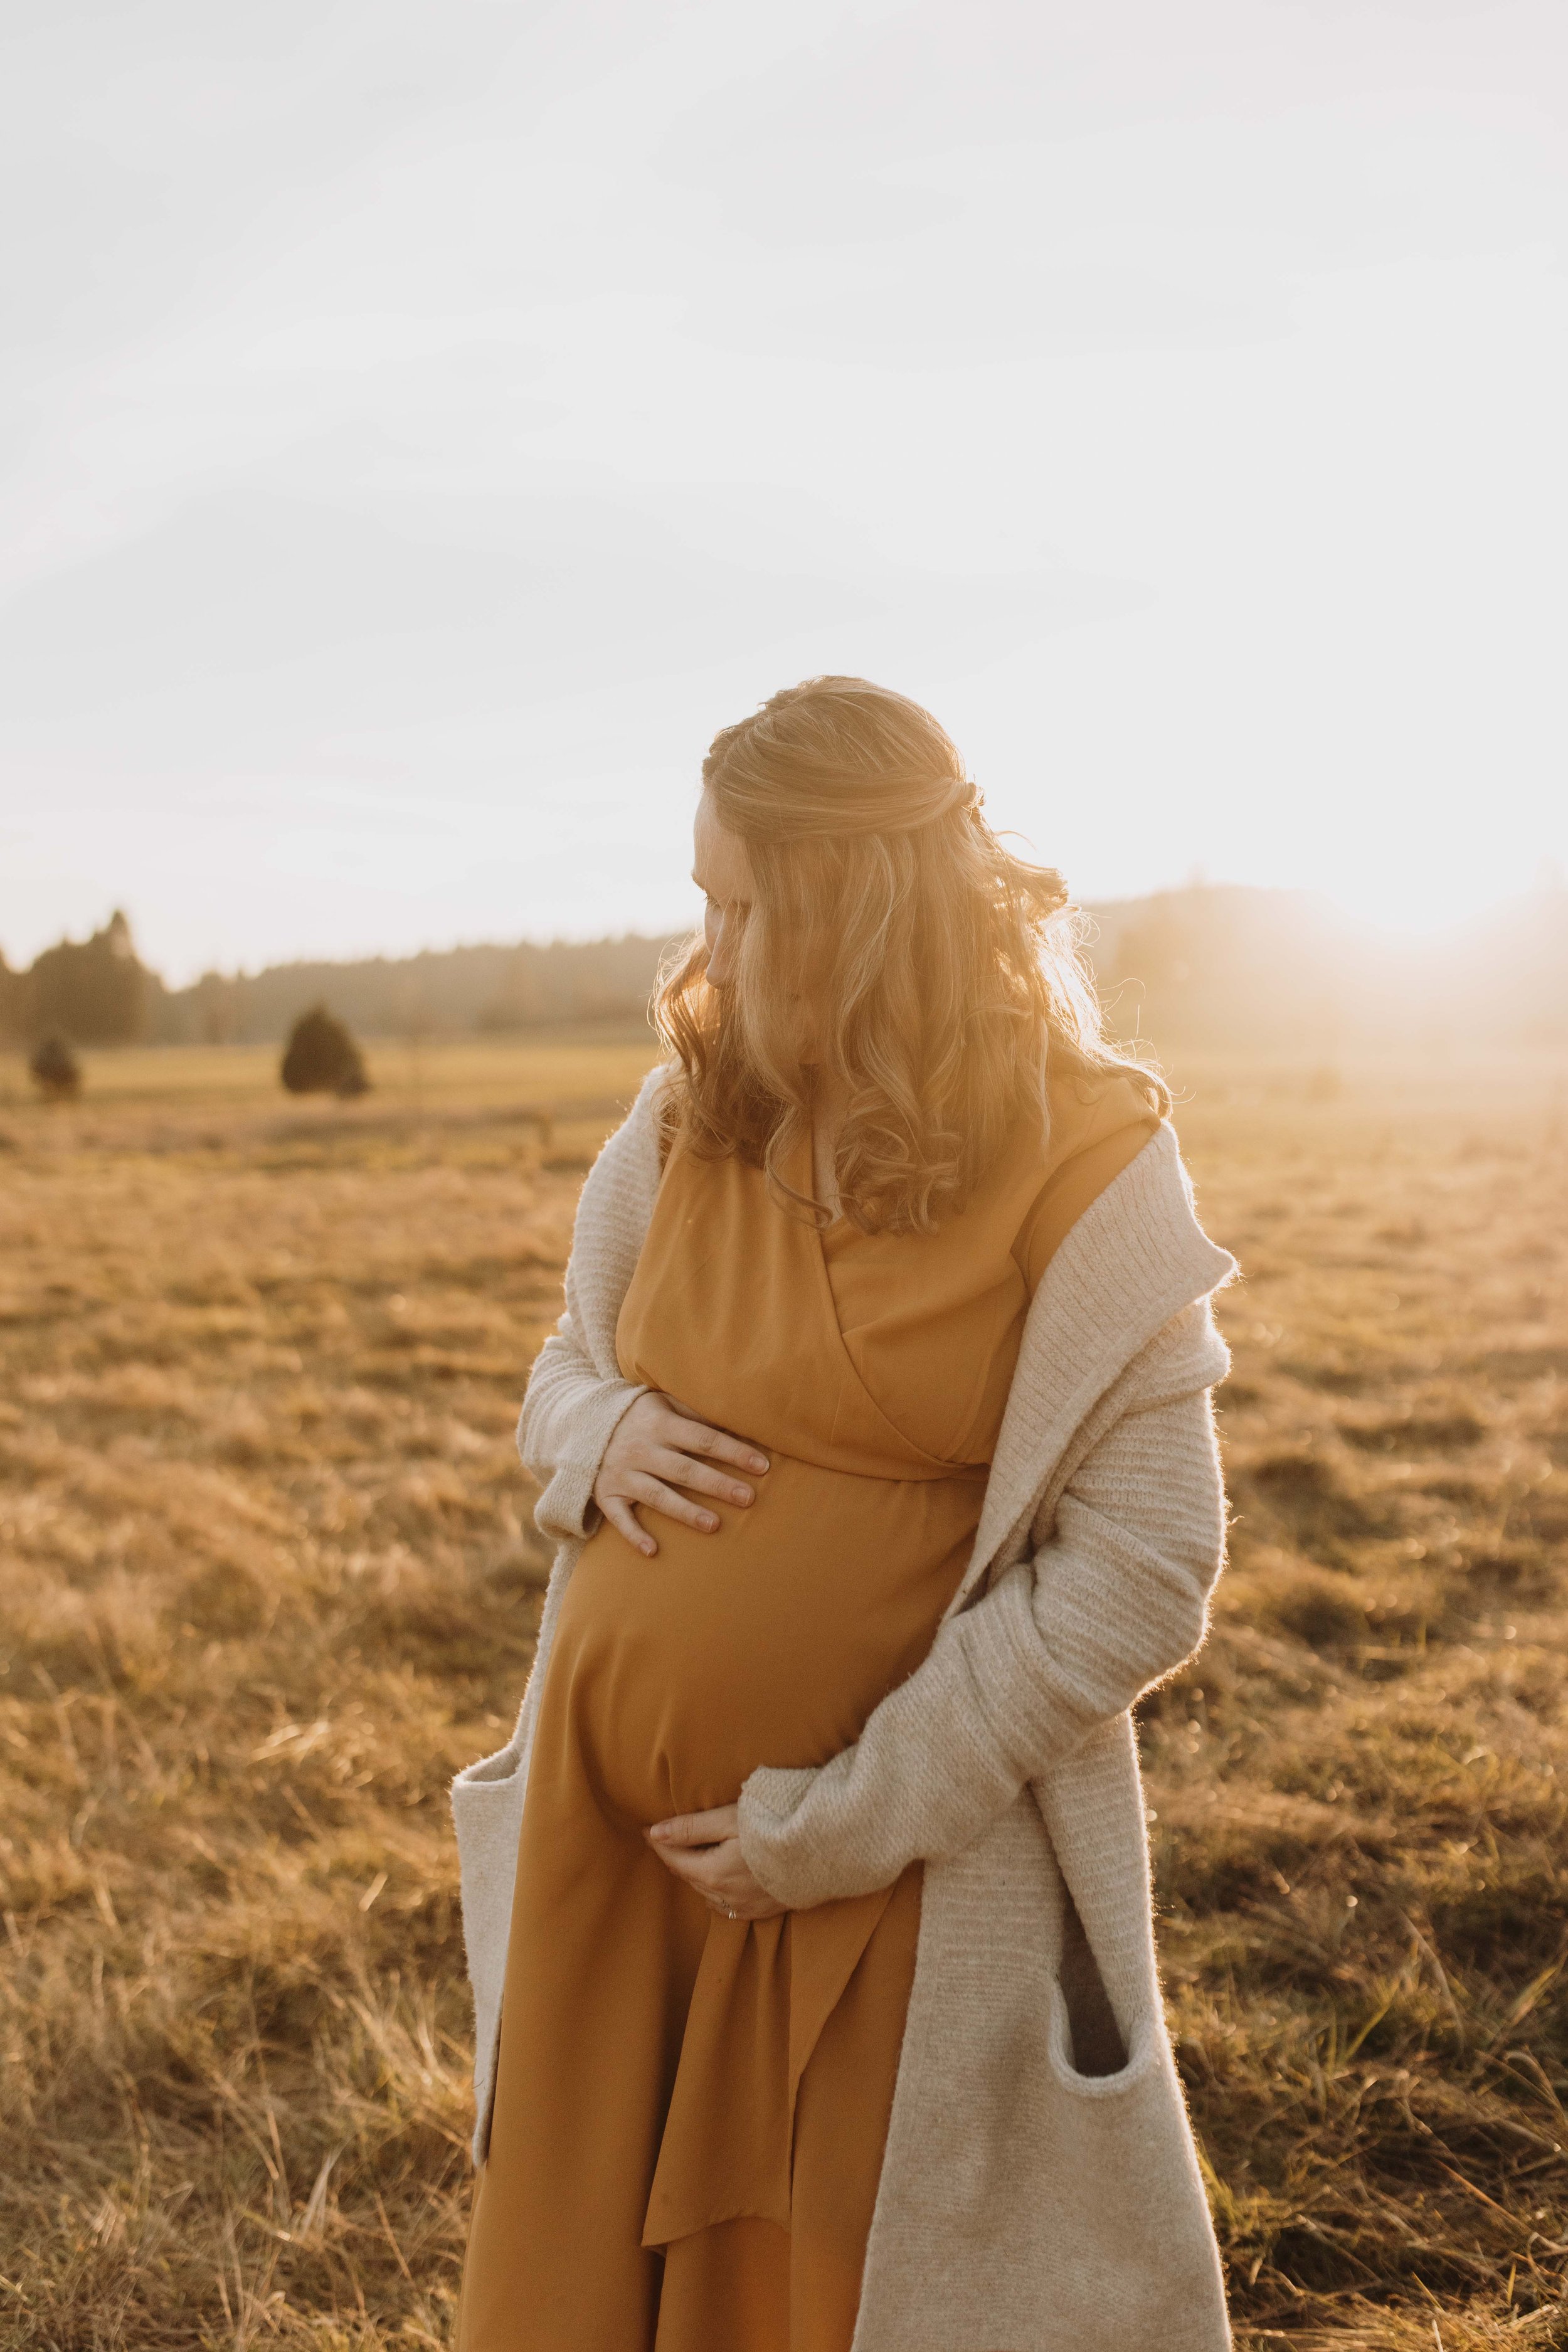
[266, 1576]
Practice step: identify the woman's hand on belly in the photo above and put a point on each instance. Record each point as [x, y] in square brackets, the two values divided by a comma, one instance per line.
[656, 1448]
[704, 1849]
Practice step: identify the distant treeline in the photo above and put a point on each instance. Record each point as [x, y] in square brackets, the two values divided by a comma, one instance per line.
[435, 993]
[98, 992]
[1208, 966]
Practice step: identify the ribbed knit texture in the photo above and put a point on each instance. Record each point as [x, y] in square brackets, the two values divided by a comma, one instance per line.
[1024, 2207]
[1014, 1683]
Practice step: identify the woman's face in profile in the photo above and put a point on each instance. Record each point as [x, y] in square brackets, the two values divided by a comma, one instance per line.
[723, 871]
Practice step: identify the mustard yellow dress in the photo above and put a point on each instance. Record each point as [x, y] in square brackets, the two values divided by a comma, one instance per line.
[690, 2111]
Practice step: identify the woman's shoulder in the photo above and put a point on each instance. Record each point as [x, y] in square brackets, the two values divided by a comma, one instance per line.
[1098, 1122]
[1088, 1108]
[652, 1109]
[626, 1170]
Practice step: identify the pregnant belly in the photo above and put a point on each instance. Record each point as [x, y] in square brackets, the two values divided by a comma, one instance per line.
[769, 1643]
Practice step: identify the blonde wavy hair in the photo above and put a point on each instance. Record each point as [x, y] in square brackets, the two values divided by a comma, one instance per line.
[945, 976]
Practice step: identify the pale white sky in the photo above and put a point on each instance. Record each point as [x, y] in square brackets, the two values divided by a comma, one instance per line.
[424, 422]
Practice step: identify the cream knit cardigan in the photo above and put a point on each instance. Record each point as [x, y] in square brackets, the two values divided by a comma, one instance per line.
[1024, 2207]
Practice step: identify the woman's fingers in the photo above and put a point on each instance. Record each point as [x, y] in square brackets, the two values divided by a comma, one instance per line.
[641, 1487]
[654, 1454]
[695, 1436]
[681, 1470]
[625, 1522]
[698, 1829]
[651, 1493]
[703, 1850]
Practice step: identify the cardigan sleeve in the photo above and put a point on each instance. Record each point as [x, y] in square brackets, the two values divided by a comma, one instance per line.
[1110, 1604]
[569, 1412]
[576, 1394]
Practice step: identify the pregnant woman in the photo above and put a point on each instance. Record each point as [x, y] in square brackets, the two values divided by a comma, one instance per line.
[808, 1909]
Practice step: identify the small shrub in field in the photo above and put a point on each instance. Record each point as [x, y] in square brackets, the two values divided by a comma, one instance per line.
[55, 1071]
[321, 1057]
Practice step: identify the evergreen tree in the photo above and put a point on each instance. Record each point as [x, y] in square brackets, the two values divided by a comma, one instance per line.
[55, 1071]
[320, 1057]
[14, 996]
[95, 991]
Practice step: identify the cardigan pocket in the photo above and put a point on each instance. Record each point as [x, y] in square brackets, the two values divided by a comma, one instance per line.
[1140, 2053]
[487, 1814]
[1096, 2043]
[1133, 2258]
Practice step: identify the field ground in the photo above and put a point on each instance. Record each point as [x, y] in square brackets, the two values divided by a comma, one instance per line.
[574, 1069]
[266, 1576]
